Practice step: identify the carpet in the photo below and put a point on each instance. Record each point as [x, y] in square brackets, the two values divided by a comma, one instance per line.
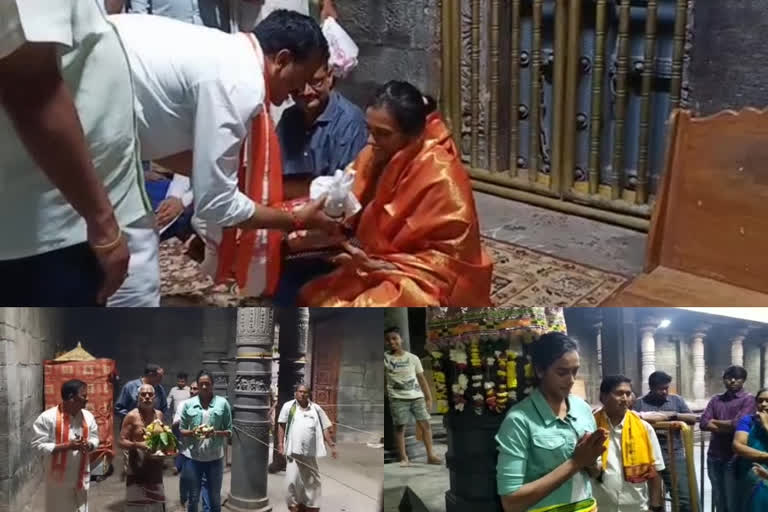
[521, 277]
[182, 283]
[524, 277]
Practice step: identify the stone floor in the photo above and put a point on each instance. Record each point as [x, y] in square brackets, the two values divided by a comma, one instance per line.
[351, 483]
[578, 239]
[429, 483]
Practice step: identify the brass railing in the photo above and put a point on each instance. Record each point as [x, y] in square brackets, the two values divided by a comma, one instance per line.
[552, 103]
[686, 432]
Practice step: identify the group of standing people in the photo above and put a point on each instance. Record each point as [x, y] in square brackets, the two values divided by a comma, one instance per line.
[85, 98]
[555, 450]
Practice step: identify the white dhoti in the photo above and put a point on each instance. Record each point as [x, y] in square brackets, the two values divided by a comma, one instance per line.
[65, 499]
[303, 480]
[141, 288]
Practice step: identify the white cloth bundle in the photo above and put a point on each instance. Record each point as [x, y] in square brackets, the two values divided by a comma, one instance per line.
[337, 189]
[342, 48]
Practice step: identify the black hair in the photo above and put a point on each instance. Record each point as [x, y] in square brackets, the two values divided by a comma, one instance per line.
[549, 348]
[71, 388]
[737, 372]
[151, 369]
[289, 30]
[182, 375]
[206, 373]
[657, 379]
[406, 104]
[300, 384]
[392, 329]
[611, 382]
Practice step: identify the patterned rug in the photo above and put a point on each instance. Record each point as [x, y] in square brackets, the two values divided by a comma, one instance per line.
[524, 277]
[521, 277]
[182, 283]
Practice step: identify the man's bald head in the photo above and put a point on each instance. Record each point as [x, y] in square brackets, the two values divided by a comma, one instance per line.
[146, 399]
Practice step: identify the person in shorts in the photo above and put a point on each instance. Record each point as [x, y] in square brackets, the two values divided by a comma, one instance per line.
[408, 393]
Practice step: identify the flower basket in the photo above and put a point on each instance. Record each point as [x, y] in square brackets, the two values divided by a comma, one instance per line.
[160, 440]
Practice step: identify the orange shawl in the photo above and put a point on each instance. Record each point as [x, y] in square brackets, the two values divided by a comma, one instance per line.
[421, 218]
[59, 459]
[262, 181]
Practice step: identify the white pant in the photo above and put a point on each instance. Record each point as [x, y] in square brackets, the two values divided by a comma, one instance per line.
[303, 479]
[141, 288]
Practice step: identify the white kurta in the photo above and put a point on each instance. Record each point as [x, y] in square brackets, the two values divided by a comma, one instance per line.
[199, 93]
[64, 495]
[304, 443]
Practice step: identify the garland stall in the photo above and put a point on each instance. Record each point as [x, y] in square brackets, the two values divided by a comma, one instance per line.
[481, 367]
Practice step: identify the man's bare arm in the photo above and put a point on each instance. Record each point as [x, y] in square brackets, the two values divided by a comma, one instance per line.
[42, 110]
[654, 491]
[126, 432]
[424, 387]
[280, 437]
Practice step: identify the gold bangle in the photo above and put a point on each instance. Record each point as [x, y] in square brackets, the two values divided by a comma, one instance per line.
[110, 245]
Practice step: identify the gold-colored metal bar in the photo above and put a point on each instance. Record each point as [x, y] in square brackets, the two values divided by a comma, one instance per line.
[535, 120]
[475, 82]
[649, 62]
[678, 51]
[598, 72]
[514, 84]
[493, 136]
[568, 128]
[455, 66]
[617, 187]
[446, 85]
[539, 198]
[673, 472]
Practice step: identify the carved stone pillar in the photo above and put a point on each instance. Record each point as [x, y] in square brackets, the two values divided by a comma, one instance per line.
[737, 349]
[647, 352]
[217, 339]
[294, 329]
[697, 350]
[250, 439]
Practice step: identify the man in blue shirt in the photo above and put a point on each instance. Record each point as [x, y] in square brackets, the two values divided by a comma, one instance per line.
[153, 375]
[321, 133]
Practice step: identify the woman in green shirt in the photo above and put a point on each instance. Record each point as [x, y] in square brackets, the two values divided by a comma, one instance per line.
[547, 441]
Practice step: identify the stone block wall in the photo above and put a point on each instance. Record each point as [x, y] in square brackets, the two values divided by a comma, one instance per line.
[27, 338]
[361, 377]
[398, 39]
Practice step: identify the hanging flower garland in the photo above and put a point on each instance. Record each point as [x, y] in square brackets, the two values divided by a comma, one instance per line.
[441, 394]
[458, 356]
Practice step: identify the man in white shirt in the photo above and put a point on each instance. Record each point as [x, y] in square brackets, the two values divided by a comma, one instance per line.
[69, 173]
[198, 92]
[303, 430]
[65, 435]
[626, 483]
[246, 14]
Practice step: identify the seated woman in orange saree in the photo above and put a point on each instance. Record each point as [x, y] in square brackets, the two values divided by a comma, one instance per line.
[419, 240]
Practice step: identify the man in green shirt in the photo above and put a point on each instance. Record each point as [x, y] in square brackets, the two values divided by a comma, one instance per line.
[408, 394]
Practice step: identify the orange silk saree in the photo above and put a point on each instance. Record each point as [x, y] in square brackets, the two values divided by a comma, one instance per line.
[420, 217]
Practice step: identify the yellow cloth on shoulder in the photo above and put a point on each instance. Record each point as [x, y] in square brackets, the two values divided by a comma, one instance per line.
[636, 454]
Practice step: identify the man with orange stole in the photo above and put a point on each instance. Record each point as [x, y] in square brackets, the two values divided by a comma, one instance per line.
[418, 233]
[65, 435]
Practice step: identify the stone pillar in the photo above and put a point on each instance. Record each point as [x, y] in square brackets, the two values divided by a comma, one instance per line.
[697, 350]
[737, 349]
[294, 328]
[647, 352]
[398, 317]
[250, 439]
[765, 364]
[216, 342]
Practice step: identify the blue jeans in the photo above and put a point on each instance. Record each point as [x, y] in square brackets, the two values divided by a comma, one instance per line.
[207, 480]
[724, 494]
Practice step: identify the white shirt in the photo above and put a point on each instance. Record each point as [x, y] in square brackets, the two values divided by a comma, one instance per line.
[44, 441]
[247, 15]
[34, 216]
[401, 372]
[187, 11]
[615, 494]
[305, 435]
[197, 89]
